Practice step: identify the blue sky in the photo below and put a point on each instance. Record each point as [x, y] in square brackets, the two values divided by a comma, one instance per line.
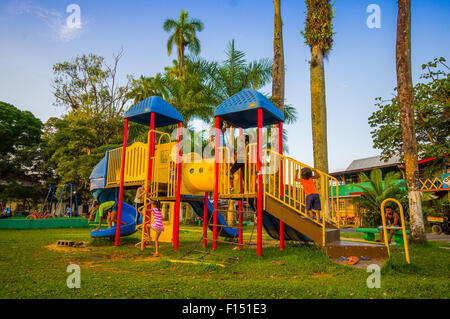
[360, 67]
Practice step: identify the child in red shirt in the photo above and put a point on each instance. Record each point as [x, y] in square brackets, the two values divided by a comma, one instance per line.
[312, 196]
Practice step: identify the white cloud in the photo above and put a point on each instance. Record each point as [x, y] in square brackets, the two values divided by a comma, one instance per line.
[54, 19]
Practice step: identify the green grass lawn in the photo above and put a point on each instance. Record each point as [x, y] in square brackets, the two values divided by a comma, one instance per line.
[30, 270]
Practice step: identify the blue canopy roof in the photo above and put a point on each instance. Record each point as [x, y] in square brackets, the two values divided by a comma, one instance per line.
[98, 175]
[165, 114]
[240, 110]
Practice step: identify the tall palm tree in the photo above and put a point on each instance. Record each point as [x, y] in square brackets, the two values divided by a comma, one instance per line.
[183, 35]
[405, 99]
[376, 192]
[318, 34]
[278, 59]
[278, 67]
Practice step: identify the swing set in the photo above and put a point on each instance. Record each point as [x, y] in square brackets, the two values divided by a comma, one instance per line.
[56, 195]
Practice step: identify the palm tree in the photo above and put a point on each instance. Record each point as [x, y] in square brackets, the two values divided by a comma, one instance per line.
[278, 59]
[235, 73]
[405, 99]
[189, 95]
[278, 67]
[318, 34]
[184, 35]
[376, 192]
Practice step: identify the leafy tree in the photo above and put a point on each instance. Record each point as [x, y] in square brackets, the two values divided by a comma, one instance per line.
[88, 84]
[376, 192]
[431, 116]
[76, 143]
[184, 35]
[318, 35]
[21, 163]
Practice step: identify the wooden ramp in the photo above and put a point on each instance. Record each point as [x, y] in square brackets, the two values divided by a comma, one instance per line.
[301, 223]
[334, 247]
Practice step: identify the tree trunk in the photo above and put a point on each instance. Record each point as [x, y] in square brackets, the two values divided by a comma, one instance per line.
[278, 70]
[180, 62]
[405, 98]
[278, 60]
[318, 110]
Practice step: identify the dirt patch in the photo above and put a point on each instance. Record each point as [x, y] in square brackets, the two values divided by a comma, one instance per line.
[362, 264]
[56, 247]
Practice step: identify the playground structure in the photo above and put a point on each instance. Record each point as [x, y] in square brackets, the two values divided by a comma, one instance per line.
[267, 182]
[68, 210]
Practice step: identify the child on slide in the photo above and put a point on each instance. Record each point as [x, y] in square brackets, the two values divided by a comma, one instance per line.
[157, 225]
[312, 196]
[103, 212]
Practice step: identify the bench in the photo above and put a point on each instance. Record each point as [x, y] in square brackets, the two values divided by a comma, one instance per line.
[369, 234]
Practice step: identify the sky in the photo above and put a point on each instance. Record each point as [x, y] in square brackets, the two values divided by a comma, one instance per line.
[34, 35]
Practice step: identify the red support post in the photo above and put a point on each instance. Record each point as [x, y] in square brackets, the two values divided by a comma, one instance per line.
[280, 170]
[152, 146]
[151, 153]
[216, 180]
[241, 180]
[260, 184]
[205, 220]
[122, 174]
[176, 217]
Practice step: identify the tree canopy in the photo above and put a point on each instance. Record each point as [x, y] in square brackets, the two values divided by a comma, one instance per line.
[318, 25]
[184, 35]
[90, 85]
[21, 159]
[431, 112]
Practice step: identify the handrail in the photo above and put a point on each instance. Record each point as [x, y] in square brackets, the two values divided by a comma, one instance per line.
[250, 169]
[224, 170]
[402, 218]
[294, 196]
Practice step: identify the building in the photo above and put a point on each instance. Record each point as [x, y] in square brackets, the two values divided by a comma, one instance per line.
[433, 177]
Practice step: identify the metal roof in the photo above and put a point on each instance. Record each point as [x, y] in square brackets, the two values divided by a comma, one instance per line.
[240, 110]
[372, 162]
[166, 114]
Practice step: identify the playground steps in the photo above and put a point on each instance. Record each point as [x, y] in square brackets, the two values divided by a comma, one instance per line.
[348, 248]
[301, 223]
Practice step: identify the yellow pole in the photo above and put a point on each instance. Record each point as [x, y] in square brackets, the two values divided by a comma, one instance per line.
[322, 184]
[402, 218]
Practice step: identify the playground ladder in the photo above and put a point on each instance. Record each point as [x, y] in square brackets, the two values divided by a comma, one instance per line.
[228, 261]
